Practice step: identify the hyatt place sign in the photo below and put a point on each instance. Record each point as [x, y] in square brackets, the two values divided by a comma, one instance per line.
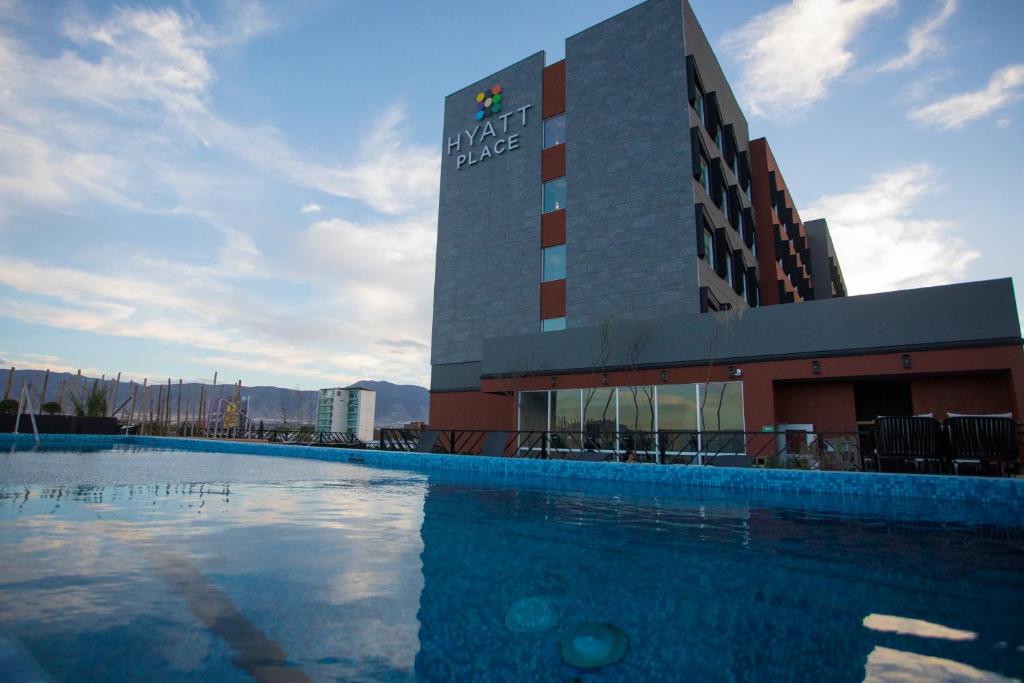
[472, 147]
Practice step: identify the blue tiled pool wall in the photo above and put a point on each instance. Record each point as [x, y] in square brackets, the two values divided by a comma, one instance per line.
[977, 491]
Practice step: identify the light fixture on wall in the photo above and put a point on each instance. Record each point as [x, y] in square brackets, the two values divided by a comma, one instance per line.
[553, 380]
[664, 375]
[604, 378]
[906, 361]
[735, 372]
[816, 367]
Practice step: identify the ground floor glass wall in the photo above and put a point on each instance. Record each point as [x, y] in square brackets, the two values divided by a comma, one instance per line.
[685, 417]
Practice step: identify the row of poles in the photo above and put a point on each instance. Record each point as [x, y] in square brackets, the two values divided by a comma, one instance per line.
[155, 406]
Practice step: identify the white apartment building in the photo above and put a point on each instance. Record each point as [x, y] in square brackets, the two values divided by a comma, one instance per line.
[347, 409]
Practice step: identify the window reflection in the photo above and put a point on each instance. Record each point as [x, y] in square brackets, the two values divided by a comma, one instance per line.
[682, 417]
[553, 263]
[533, 411]
[554, 194]
[599, 418]
[552, 324]
[554, 131]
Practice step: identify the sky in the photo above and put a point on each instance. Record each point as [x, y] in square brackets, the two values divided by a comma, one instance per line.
[189, 187]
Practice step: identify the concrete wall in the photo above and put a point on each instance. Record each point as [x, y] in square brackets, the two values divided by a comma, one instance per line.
[715, 84]
[630, 220]
[488, 258]
[974, 313]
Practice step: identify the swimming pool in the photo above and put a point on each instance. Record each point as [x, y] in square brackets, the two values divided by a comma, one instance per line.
[127, 562]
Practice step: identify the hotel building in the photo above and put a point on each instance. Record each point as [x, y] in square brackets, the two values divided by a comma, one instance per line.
[609, 242]
[347, 409]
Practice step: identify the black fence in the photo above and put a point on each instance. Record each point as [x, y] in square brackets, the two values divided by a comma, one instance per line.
[784, 449]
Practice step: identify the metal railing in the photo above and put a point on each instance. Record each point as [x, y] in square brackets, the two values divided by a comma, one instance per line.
[791, 449]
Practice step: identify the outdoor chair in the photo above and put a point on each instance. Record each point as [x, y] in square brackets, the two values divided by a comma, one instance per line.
[985, 444]
[908, 443]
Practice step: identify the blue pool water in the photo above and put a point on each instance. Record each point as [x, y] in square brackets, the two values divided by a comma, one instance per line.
[128, 563]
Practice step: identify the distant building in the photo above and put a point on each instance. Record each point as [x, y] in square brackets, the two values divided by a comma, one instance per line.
[347, 409]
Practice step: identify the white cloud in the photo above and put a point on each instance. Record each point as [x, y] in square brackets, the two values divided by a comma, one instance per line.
[923, 39]
[1004, 88]
[1003, 122]
[883, 245]
[790, 55]
[311, 208]
[125, 117]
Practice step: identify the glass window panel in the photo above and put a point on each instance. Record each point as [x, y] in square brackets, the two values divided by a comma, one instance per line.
[533, 411]
[554, 131]
[552, 324]
[677, 407]
[698, 104]
[565, 410]
[554, 194]
[722, 411]
[553, 263]
[709, 248]
[636, 409]
[677, 417]
[599, 418]
[704, 174]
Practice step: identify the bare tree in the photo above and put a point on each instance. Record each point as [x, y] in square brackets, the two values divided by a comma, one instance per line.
[724, 323]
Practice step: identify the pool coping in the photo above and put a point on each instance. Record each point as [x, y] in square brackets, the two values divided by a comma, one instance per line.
[976, 490]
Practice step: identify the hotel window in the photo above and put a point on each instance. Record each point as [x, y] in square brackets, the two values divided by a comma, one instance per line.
[698, 102]
[552, 324]
[709, 247]
[554, 131]
[553, 263]
[554, 194]
[720, 139]
[727, 260]
[705, 174]
[725, 200]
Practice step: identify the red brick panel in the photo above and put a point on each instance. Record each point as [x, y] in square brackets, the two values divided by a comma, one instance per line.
[554, 89]
[552, 163]
[552, 228]
[472, 410]
[552, 299]
[829, 406]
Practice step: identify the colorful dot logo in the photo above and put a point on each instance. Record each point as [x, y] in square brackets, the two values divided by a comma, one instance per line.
[488, 102]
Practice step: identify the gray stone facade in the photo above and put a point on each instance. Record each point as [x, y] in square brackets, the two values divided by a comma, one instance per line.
[823, 259]
[630, 226]
[948, 316]
[488, 229]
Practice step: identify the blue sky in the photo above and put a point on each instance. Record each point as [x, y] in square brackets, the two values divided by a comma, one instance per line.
[252, 188]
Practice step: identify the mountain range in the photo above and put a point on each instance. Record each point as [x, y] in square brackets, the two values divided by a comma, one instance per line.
[396, 403]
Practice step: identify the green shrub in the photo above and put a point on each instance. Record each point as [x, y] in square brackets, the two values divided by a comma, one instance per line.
[91, 404]
[8, 406]
[51, 407]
